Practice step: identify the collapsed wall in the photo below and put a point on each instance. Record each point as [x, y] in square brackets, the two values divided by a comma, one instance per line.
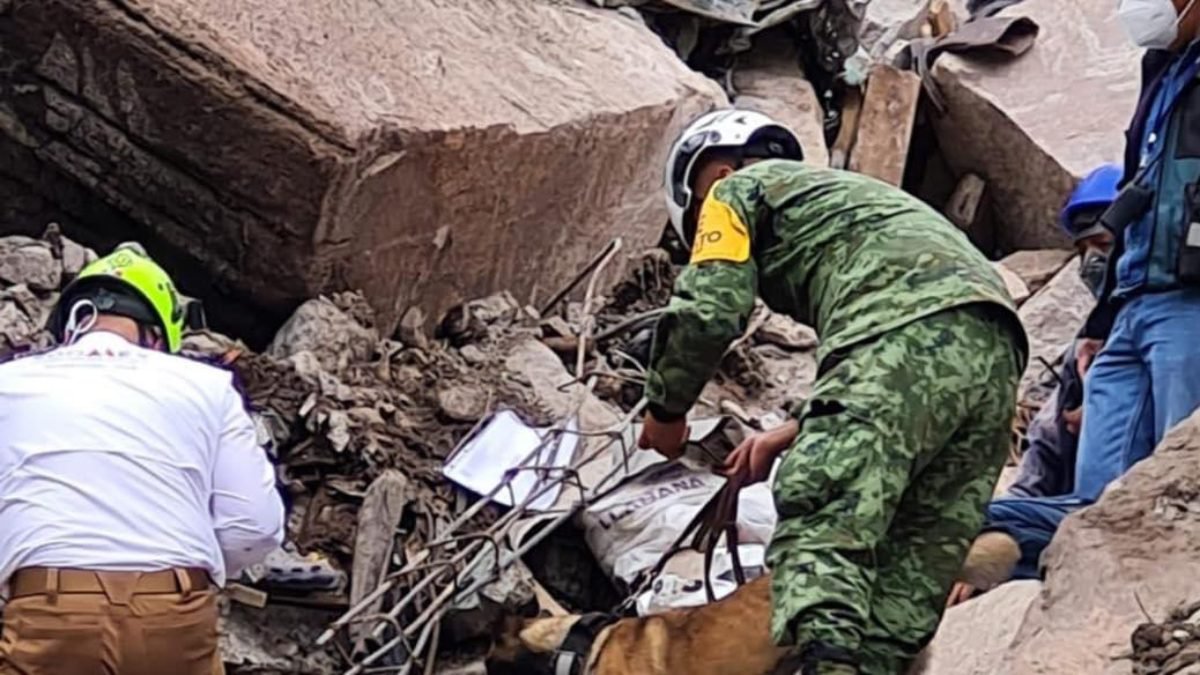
[296, 148]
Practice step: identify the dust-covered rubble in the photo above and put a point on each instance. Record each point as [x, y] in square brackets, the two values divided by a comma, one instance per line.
[343, 406]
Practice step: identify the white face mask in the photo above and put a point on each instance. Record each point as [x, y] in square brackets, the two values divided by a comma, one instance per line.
[1151, 24]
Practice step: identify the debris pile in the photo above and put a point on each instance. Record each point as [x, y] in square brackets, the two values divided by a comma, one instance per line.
[348, 413]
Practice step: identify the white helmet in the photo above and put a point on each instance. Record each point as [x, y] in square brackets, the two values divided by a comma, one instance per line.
[755, 134]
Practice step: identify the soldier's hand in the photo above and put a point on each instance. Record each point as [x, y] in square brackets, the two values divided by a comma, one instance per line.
[665, 437]
[751, 461]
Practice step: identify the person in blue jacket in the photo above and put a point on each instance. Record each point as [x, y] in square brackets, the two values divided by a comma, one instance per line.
[1145, 377]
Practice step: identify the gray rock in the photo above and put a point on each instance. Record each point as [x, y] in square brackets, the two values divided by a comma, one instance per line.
[1037, 267]
[277, 639]
[30, 262]
[769, 80]
[973, 637]
[1013, 282]
[320, 327]
[475, 617]
[16, 328]
[75, 258]
[462, 402]
[1017, 122]
[412, 328]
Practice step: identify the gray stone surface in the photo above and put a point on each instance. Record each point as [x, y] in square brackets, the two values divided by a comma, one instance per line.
[295, 148]
[1034, 125]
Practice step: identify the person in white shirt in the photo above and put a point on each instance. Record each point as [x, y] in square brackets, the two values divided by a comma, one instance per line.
[131, 485]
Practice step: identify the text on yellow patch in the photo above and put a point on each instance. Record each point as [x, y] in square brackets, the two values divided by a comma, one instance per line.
[720, 234]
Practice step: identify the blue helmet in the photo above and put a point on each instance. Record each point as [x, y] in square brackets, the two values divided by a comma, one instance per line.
[1097, 189]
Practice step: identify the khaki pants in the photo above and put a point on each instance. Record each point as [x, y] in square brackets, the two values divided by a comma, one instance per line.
[110, 623]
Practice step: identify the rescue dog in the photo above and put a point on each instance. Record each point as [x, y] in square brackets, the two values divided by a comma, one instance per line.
[728, 637]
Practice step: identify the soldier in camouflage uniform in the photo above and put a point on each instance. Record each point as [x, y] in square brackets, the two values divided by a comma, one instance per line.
[890, 462]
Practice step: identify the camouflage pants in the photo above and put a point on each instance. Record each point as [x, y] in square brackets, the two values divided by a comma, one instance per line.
[901, 444]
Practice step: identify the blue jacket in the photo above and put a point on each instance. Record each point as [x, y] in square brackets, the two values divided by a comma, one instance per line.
[1145, 255]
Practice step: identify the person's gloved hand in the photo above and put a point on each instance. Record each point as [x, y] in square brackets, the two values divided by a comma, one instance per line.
[751, 461]
[665, 437]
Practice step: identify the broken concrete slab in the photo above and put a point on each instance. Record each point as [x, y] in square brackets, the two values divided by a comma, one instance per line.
[973, 637]
[1016, 122]
[1131, 555]
[769, 80]
[363, 145]
[1052, 318]
[1037, 267]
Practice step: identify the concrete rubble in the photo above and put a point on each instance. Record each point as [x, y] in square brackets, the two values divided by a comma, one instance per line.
[349, 411]
[364, 146]
[1120, 589]
[1005, 119]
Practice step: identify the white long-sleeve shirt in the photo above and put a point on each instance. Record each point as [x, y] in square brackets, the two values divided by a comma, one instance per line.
[115, 457]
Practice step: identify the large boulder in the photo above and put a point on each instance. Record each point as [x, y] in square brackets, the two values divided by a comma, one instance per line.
[1018, 122]
[295, 148]
[974, 636]
[1128, 559]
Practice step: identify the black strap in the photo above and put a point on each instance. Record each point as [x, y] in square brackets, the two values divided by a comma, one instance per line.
[571, 656]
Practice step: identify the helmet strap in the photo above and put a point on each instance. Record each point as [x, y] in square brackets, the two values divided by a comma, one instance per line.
[77, 326]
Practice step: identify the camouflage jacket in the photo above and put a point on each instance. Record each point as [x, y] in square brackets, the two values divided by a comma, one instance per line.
[847, 254]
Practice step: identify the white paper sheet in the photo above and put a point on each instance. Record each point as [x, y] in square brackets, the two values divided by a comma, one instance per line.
[503, 444]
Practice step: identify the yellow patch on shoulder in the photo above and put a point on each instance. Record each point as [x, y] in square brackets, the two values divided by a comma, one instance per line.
[720, 234]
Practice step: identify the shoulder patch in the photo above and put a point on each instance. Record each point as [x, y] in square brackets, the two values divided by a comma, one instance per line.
[720, 234]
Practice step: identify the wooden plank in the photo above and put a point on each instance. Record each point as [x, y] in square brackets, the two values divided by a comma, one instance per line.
[885, 127]
[851, 108]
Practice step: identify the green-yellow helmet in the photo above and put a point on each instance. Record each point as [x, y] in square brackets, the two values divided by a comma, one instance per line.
[128, 268]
